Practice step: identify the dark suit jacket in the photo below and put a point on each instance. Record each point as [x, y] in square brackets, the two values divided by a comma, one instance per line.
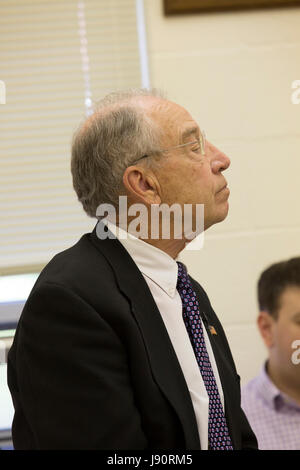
[92, 365]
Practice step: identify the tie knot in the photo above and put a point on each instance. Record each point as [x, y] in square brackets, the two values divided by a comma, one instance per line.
[182, 276]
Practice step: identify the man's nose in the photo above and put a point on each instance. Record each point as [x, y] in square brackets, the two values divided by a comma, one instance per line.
[219, 160]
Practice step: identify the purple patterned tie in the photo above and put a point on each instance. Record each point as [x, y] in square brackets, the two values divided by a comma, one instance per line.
[218, 435]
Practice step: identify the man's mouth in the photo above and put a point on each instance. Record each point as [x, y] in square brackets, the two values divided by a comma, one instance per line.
[223, 187]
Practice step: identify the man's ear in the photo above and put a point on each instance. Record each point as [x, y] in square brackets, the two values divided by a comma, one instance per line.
[266, 323]
[141, 186]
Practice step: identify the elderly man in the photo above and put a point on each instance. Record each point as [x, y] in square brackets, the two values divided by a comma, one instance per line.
[117, 346]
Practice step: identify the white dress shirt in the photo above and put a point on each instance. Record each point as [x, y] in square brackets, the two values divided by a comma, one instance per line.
[160, 272]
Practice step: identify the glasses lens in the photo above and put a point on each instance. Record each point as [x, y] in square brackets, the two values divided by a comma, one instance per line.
[202, 142]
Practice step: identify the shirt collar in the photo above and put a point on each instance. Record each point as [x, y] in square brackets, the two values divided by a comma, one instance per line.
[271, 394]
[151, 261]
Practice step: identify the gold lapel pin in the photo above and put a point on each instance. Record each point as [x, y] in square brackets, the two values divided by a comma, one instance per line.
[212, 330]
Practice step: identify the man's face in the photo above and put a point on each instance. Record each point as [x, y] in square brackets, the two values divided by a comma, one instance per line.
[186, 176]
[286, 330]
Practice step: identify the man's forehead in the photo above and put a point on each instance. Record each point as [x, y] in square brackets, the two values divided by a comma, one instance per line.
[174, 119]
[290, 300]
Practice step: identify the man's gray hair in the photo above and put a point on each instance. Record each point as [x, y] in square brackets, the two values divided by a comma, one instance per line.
[117, 134]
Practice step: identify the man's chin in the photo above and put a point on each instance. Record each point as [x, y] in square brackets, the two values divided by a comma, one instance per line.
[226, 210]
[218, 217]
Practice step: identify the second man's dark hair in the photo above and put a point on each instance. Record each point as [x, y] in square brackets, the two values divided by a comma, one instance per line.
[274, 280]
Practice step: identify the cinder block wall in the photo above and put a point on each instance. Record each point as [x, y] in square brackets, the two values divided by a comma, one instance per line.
[234, 72]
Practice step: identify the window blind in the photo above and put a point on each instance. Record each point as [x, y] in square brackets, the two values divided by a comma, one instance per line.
[56, 59]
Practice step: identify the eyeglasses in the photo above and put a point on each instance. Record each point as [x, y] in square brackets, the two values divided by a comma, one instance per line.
[201, 142]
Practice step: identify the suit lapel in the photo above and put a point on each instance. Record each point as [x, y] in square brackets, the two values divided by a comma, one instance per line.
[162, 358]
[224, 368]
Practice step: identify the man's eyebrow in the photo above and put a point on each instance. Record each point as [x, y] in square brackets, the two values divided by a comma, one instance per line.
[189, 131]
[296, 316]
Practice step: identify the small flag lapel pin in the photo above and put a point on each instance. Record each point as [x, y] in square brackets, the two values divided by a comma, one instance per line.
[212, 330]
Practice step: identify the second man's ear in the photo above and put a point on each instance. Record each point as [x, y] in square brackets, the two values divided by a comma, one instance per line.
[265, 323]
